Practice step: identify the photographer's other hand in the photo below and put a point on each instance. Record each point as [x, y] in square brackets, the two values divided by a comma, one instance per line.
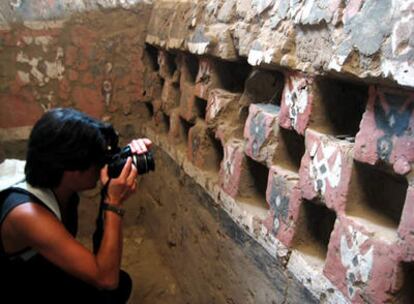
[120, 188]
[140, 145]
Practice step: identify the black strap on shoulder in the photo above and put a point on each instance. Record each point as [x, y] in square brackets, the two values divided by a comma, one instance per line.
[98, 234]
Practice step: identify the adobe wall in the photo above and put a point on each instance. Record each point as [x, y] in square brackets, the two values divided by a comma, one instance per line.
[291, 121]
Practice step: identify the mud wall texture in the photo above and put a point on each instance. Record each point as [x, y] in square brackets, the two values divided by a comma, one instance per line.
[294, 119]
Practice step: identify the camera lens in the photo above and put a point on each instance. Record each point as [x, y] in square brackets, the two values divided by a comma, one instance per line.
[143, 162]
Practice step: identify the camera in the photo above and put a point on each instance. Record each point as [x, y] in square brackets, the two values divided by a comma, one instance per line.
[116, 158]
[143, 162]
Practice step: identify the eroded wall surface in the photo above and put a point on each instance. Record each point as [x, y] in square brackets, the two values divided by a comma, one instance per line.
[293, 118]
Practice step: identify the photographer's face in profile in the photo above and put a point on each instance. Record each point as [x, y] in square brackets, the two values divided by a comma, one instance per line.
[82, 180]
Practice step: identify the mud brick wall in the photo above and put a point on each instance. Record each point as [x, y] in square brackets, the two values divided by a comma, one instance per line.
[294, 118]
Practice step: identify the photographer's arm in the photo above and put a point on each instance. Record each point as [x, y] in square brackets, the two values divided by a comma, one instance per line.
[32, 225]
[112, 232]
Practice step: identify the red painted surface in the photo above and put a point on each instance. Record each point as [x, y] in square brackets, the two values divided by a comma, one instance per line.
[406, 227]
[297, 102]
[261, 131]
[231, 167]
[284, 198]
[19, 110]
[386, 130]
[326, 170]
[368, 272]
[89, 100]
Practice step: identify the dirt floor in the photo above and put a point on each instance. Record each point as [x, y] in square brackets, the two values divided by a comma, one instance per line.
[152, 278]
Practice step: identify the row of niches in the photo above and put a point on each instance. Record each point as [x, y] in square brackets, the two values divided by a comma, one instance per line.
[283, 145]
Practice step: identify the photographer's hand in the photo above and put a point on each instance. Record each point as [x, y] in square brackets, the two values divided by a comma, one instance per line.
[140, 146]
[120, 188]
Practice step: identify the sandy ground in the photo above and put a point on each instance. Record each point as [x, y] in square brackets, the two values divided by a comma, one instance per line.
[153, 281]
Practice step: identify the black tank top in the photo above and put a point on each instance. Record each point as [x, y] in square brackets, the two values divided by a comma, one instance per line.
[13, 197]
[19, 277]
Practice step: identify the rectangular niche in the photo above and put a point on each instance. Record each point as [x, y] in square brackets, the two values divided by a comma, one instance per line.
[165, 121]
[190, 67]
[338, 107]
[171, 63]
[217, 153]
[290, 149]
[253, 185]
[150, 109]
[232, 75]
[201, 106]
[406, 278]
[263, 86]
[184, 129]
[376, 198]
[313, 231]
[151, 57]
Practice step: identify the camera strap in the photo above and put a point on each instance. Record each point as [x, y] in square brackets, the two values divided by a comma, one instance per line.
[98, 234]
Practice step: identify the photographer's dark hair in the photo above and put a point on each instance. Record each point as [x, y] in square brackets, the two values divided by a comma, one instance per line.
[64, 139]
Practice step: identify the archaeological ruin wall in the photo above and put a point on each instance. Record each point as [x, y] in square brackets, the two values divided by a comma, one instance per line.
[292, 119]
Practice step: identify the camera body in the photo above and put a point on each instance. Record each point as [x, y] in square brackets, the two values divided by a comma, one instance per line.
[143, 162]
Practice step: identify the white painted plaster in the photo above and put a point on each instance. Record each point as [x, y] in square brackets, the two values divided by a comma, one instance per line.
[198, 48]
[332, 175]
[358, 265]
[256, 57]
[54, 70]
[337, 62]
[15, 3]
[44, 25]
[402, 72]
[296, 99]
[175, 43]
[23, 76]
